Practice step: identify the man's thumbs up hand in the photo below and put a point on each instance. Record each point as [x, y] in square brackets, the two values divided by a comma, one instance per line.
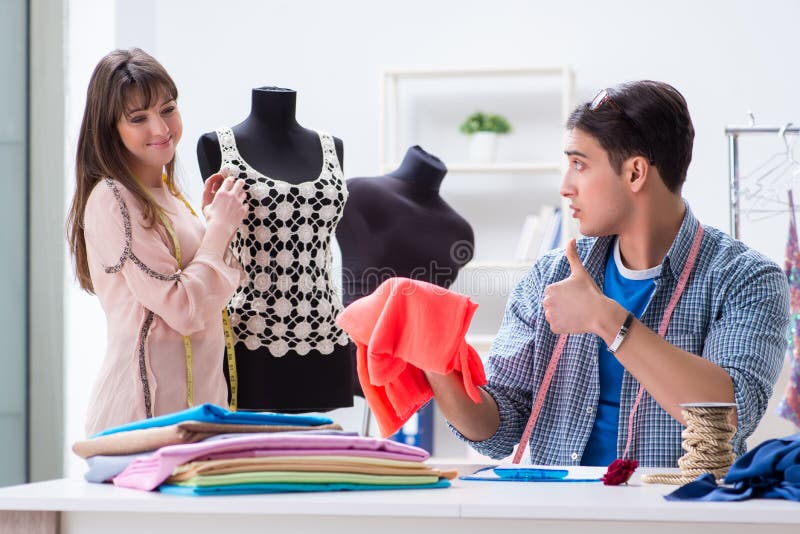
[576, 267]
[572, 305]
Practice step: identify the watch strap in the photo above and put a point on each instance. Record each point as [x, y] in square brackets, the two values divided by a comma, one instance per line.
[623, 331]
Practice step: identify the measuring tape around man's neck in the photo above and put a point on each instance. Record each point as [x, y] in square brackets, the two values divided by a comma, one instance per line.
[562, 341]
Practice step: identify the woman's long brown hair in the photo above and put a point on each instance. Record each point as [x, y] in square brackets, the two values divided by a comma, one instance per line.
[101, 153]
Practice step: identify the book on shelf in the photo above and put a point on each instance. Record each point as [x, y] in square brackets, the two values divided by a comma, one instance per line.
[540, 233]
[527, 237]
[552, 236]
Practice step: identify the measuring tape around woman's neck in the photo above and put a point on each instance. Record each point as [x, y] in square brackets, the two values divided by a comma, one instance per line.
[226, 323]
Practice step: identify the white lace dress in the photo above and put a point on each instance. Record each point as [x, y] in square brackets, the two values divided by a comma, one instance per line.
[289, 302]
[287, 308]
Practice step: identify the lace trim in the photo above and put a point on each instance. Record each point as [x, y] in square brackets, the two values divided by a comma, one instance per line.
[233, 161]
[127, 252]
[148, 321]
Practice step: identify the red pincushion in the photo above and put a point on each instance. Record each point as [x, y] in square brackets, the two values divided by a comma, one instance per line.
[619, 472]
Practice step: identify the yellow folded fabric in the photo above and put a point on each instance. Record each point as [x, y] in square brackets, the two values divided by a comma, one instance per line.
[338, 464]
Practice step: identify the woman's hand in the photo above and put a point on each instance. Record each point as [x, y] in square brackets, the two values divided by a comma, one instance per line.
[211, 188]
[227, 205]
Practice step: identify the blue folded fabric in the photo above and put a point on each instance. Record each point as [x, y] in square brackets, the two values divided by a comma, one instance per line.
[769, 471]
[102, 468]
[242, 489]
[211, 413]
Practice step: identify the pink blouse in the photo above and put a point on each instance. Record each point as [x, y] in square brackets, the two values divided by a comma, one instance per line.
[150, 305]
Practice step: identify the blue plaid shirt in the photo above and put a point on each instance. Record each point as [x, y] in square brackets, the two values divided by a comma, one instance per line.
[734, 312]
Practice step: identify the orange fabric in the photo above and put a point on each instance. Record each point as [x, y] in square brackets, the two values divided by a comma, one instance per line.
[403, 327]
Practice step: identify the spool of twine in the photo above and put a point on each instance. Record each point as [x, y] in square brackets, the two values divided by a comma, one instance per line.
[707, 442]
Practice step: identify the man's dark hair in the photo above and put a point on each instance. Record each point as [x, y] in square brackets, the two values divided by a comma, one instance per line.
[642, 118]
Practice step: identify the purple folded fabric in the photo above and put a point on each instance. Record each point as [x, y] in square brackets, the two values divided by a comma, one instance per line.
[149, 472]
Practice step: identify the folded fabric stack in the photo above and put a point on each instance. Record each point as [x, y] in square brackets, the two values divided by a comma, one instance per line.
[111, 450]
[270, 463]
[237, 453]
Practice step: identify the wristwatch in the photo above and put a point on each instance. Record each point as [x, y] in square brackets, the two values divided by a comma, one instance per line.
[623, 331]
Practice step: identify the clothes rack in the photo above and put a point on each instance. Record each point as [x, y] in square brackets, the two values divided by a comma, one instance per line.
[733, 133]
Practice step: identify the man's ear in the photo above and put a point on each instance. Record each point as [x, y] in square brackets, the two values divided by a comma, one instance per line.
[636, 174]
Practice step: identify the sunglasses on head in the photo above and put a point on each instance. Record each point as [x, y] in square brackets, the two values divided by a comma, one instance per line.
[604, 97]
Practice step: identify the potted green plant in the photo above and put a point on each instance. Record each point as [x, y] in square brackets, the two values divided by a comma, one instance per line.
[483, 129]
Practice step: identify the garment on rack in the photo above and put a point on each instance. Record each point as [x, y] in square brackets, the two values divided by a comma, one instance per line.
[211, 413]
[769, 471]
[150, 471]
[403, 327]
[789, 407]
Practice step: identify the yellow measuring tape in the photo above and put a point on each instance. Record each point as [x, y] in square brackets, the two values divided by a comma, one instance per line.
[234, 379]
[226, 322]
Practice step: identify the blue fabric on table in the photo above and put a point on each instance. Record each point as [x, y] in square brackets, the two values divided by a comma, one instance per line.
[211, 413]
[102, 468]
[242, 489]
[769, 471]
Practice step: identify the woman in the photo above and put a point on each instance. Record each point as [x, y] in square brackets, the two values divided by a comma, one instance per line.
[162, 278]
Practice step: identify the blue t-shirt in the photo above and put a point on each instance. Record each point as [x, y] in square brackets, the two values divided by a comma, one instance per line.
[632, 290]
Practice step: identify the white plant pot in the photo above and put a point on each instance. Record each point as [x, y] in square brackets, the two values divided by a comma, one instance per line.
[483, 147]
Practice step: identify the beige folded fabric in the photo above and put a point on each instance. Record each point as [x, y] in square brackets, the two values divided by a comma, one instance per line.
[318, 464]
[148, 439]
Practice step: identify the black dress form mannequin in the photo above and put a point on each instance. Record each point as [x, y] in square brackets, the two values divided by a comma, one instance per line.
[279, 160]
[398, 225]
[270, 139]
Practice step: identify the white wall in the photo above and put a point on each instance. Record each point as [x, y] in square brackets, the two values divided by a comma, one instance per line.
[725, 56]
[90, 34]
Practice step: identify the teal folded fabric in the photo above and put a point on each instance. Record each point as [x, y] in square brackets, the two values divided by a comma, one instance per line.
[241, 489]
[211, 413]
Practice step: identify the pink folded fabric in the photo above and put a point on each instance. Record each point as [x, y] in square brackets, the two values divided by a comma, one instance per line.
[404, 327]
[149, 472]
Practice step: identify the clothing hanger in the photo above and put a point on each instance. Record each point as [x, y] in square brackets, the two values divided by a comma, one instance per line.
[764, 174]
[767, 188]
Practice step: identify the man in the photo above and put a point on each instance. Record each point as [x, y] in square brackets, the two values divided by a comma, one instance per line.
[628, 151]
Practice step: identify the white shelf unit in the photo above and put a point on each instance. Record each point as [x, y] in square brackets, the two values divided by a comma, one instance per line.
[390, 122]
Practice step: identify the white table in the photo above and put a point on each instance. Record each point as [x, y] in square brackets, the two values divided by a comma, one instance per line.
[467, 507]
